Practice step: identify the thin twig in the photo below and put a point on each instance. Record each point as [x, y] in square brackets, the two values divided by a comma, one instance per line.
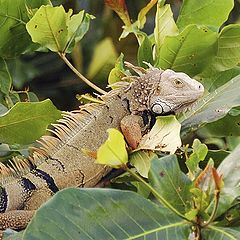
[89, 83]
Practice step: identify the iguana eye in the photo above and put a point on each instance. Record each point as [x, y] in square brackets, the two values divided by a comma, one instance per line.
[178, 83]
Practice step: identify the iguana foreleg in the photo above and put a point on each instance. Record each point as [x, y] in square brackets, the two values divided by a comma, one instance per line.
[132, 127]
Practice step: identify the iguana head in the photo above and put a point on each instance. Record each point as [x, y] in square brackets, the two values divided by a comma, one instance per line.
[173, 92]
[162, 92]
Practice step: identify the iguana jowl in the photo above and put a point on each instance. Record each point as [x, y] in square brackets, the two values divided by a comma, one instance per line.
[59, 161]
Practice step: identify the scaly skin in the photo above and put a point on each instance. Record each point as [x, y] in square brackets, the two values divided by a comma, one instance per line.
[60, 162]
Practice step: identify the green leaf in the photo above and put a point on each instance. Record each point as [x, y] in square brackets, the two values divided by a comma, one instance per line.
[145, 52]
[228, 49]
[199, 153]
[117, 72]
[48, 27]
[216, 233]
[215, 129]
[141, 160]
[188, 52]
[164, 25]
[164, 136]
[204, 12]
[25, 122]
[78, 27]
[167, 178]
[14, 39]
[5, 77]
[104, 214]
[212, 81]
[104, 57]
[113, 152]
[213, 106]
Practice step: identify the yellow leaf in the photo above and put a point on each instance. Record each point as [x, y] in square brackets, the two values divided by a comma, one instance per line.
[113, 152]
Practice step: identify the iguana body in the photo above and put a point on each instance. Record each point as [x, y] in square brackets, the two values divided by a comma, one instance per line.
[60, 162]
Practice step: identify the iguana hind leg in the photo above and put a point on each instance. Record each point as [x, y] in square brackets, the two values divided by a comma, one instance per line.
[17, 219]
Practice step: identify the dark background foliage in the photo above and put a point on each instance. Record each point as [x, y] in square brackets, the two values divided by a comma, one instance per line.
[48, 76]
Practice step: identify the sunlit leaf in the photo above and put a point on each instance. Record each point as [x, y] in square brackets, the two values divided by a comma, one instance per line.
[48, 27]
[204, 12]
[113, 152]
[164, 25]
[56, 29]
[188, 52]
[164, 136]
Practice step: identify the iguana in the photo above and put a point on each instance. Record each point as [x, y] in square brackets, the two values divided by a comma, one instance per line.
[59, 162]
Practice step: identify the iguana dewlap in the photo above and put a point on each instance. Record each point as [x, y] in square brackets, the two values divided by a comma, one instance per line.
[59, 161]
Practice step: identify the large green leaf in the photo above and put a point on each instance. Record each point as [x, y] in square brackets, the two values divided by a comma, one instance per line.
[104, 214]
[228, 54]
[212, 82]
[228, 51]
[215, 129]
[5, 77]
[173, 185]
[48, 27]
[190, 51]
[204, 12]
[25, 122]
[217, 233]
[14, 38]
[213, 106]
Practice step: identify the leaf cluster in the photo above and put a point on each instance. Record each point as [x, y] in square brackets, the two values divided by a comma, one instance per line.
[191, 193]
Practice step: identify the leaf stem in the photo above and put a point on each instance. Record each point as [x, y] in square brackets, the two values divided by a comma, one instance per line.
[215, 207]
[84, 79]
[156, 194]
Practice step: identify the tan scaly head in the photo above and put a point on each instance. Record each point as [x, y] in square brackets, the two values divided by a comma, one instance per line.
[162, 92]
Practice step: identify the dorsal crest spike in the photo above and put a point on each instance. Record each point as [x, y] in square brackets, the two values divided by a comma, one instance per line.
[63, 131]
[139, 70]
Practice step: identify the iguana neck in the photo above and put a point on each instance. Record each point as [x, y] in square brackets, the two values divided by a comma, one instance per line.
[137, 94]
